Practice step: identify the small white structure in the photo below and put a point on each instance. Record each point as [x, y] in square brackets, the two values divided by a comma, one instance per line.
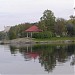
[7, 28]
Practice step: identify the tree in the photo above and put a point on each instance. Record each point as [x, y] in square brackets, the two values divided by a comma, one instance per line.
[12, 33]
[71, 20]
[47, 21]
[71, 26]
[18, 31]
[2, 35]
[60, 26]
[70, 30]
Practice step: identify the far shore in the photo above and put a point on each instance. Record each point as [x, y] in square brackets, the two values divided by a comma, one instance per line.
[66, 40]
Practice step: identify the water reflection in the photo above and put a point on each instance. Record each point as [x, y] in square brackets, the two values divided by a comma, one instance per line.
[48, 55]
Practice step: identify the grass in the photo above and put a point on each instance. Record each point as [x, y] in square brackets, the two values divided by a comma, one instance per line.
[55, 39]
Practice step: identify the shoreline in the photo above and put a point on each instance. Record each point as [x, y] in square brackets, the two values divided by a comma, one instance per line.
[32, 41]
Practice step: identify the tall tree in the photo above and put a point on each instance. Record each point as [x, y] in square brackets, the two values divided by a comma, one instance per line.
[70, 30]
[72, 20]
[47, 21]
[71, 26]
[60, 26]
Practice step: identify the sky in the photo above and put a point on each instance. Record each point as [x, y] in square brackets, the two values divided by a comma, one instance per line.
[13, 12]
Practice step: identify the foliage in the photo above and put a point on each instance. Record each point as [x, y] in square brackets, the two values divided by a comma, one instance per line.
[47, 21]
[51, 26]
[2, 35]
[72, 19]
[70, 30]
[18, 31]
[42, 35]
[71, 26]
[60, 27]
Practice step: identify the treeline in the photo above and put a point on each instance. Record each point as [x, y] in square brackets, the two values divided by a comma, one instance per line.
[51, 26]
[18, 31]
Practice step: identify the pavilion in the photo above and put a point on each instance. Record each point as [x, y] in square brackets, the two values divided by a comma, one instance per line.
[33, 29]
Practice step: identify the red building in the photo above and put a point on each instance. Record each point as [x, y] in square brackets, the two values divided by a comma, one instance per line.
[33, 29]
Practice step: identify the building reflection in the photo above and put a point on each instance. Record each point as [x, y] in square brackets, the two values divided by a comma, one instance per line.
[48, 55]
[26, 52]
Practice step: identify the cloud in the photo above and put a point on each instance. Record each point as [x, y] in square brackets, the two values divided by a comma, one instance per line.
[20, 6]
[17, 11]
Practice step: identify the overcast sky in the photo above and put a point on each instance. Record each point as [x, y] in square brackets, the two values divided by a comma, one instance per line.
[14, 12]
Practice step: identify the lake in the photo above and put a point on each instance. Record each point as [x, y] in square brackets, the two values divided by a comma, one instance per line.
[42, 59]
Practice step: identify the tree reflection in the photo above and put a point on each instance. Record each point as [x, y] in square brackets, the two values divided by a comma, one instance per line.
[48, 55]
[13, 50]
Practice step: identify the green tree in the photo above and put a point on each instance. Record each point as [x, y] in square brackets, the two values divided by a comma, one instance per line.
[12, 33]
[71, 26]
[71, 20]
[60, 27]
[47, 21]
[2, 35]
[18, 31]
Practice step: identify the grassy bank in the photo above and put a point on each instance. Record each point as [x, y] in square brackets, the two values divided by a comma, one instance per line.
[53, 40]
[56, 39]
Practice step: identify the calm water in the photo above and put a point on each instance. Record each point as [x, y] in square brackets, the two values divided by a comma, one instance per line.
[37, 59]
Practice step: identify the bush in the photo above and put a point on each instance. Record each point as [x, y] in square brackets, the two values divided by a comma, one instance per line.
[42, 35]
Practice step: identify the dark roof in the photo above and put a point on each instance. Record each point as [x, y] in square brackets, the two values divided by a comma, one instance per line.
[33, 29]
